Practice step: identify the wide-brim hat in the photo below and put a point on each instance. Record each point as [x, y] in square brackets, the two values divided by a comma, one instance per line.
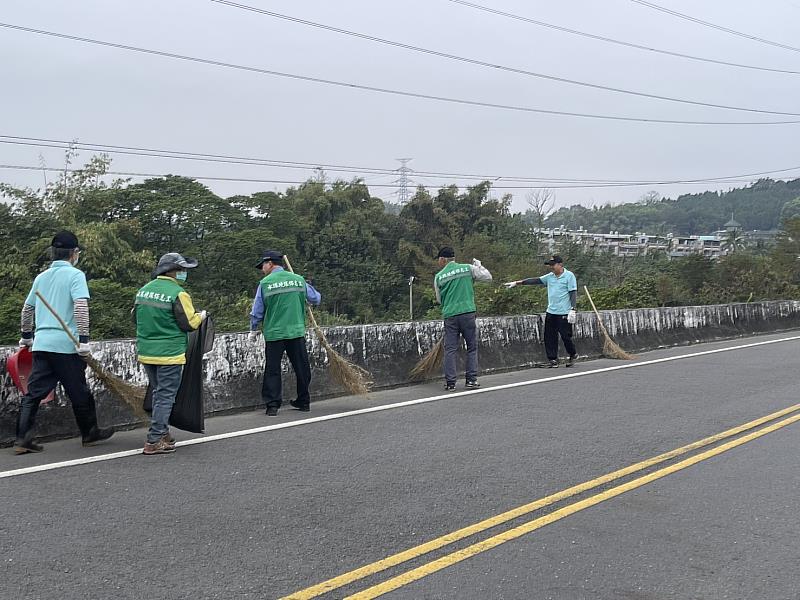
[172, 261]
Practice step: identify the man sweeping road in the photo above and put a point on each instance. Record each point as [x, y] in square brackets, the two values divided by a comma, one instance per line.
[562, 297]
[454, 291]
[164, 316]
[55, 356]
[279, 308]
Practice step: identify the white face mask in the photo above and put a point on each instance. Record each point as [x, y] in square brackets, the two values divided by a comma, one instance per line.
[76, 259]
[181, 275]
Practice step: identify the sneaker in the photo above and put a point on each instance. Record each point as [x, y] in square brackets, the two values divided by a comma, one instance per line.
[571, 360]
[25, 447]
[97, 435]
[472, 384]
[159, 447]
[168, 439]
[553, 364]
[449, 387]
[272, 411]
[300, 407]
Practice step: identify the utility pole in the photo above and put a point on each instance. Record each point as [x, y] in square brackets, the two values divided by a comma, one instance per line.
[411, 297]
[403, 193]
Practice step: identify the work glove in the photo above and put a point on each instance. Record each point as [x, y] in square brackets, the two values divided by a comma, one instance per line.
[253, 336]
[476, 262]
[83, 350]
[203, 315]
[572, 316]
[23, 342]
[510, 284]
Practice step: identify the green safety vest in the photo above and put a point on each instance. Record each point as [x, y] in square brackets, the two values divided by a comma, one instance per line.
[284, 295]
[455, 289]
[159, 338]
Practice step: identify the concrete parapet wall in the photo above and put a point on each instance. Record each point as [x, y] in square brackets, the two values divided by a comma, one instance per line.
[234, 368]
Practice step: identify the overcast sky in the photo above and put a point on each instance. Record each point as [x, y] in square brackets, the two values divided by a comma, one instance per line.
[61, 89]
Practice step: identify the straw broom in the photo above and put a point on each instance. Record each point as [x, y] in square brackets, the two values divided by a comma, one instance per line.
[430, 363]
[610, 348]
[131, 395]
[353, 378]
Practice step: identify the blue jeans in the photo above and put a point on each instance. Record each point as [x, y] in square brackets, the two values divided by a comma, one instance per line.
[465, 326]
[165, 381]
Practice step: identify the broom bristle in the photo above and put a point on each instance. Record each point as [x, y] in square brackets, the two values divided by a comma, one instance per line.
[131, 395]
[429, 364]
[353, 378]
[612, 350]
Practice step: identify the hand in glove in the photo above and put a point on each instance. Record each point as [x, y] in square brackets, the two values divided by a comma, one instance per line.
[25, 342]
[572, 316]
[253, 336]
[83, 350]
[510, 284]
[476, 262]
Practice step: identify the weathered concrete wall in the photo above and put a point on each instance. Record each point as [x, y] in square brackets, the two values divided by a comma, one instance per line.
[234, 368]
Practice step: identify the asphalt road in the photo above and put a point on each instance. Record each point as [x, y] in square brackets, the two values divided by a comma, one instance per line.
[269, 514]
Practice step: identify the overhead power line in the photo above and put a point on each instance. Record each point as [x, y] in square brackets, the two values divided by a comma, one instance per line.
[481, 63]
[715, 26]
[238, 160]
[381, 185]
[406, 94]
[601, 38]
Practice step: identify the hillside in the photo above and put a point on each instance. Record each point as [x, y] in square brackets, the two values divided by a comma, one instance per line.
[755, 207]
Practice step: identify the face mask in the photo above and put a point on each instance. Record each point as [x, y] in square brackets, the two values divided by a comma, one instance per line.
[181, 275]
[76, 260]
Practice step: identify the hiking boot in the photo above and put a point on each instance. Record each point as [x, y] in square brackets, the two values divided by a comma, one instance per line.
[97, 435]
[300, 407]
[272, 411]
[159, 447]
[571, 360]
[449, 387]
[25, 447]
[473, 384]
[553, 364]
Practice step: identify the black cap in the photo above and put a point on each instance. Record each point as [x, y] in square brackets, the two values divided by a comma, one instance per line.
[173, 261]
[555, 259]
[65, 239]
[446, 252]
[272, 256]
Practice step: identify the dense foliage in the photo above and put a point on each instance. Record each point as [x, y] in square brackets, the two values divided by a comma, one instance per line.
[755, 207]
[359, 251]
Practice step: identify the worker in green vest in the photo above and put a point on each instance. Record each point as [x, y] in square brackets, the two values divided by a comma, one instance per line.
[279, 314]
[454, 291]
[164, 315]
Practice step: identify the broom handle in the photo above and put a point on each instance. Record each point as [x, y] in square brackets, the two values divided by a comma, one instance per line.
[59, 319]
[594, 308]
[310, 312]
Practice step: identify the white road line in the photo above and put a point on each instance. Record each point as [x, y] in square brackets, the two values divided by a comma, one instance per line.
[363, 411]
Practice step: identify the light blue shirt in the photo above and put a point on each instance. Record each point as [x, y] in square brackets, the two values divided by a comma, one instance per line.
[558, 289]
[60, 285]
[257, 314]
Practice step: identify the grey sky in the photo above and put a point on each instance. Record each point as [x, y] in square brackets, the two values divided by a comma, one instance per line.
[68, 90]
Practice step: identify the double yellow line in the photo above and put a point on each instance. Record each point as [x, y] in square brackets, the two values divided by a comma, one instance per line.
[516, 532]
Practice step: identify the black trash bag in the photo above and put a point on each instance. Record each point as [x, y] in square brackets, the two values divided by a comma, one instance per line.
[188, 412]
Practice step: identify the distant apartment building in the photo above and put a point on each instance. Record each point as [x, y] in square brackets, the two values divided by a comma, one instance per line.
[641, 244]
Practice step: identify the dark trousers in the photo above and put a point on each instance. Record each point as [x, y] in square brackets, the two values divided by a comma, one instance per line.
[555, 325]
[298, 356]
[50, 368]
[455, 326]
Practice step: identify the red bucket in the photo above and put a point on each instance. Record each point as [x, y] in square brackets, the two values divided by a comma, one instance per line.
[19, 366]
